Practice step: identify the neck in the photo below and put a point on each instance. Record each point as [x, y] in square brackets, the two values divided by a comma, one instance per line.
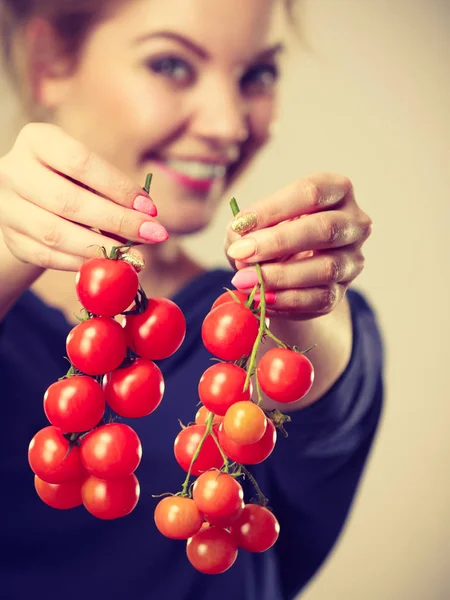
[168, 268]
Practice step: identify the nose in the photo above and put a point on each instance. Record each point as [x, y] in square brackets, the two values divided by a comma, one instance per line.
[221, 115]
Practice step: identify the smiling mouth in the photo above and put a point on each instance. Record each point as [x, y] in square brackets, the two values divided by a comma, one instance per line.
[197, 170]
[196, 175]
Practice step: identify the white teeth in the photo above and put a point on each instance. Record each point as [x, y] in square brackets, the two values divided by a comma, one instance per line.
[196, 169]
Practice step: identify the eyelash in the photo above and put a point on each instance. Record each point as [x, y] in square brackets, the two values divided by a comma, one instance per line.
[252, 82]
[167, 65]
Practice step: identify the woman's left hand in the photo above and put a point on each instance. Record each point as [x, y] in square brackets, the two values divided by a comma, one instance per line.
[307, 263]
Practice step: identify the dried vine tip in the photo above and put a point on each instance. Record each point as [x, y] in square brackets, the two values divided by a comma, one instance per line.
[133, 259]
[244, 223]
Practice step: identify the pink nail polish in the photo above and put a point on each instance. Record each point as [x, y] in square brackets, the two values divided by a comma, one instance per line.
[145, 205]
[153, 232]
[245, 279]
[271, 297]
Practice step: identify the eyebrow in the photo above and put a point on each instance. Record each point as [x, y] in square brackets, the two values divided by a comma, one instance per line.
[198, 50]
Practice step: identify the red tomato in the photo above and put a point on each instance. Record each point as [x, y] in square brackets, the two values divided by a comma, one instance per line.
[134, 391]
[285, 375]
[219, 496]
[221, 386]
[211, 550]
[96, 346]
[227, 297]
[158, 332]
[256, 529]
[110, 499]
[106, 287]
[249, 454]
[74, 404]
[203, 413]
[178, 518]
[111, 451]
[59, 495]
[186, 444]
[245, 423]
[230, 330]
[49, 459]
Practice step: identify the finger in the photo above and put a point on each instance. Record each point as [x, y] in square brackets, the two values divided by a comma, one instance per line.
[309, 302]
[43, 256]
[314, 193]
[54, 232]
[62, 197]
[71, 158]
[321, 269]
[321, 231]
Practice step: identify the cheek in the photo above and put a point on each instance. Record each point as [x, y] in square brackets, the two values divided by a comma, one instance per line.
[132, 108]
[262, 116]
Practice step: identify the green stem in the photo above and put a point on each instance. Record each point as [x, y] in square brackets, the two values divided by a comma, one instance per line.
[262, 328]
[258, 389]
[148, 182]
[275, 339]
[222, 453]
[209, 422]
[251, 297]
[234, 206]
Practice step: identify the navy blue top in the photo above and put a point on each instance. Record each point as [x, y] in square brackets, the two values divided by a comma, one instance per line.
[310, 478]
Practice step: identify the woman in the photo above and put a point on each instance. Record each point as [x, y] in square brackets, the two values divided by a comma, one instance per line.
[187, 91]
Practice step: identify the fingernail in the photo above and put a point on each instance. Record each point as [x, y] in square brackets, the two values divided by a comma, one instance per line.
[244, 223]
[271, 297]
[153, 232]
[145, 205]
[242, 249]
[245, 279]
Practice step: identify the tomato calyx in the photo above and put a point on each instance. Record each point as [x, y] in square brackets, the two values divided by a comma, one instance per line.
[140, 304]
[278, 419]
[239, 470]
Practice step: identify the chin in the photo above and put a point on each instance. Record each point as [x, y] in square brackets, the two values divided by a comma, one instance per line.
[187, 221]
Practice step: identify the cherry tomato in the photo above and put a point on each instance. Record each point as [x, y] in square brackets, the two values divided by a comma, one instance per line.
[59, 495]
[74, 404]
[158, 332]
[212, 550]
[245, 423]
[230, 330]
[186, 444]
[203, 413]
[222, 385]
[96, 346]
[110, 499]
[219, 496]
[134, 391]
[227, 297]
[178, 518]
[249, 454]
[256, 529]
[49, 457]
[106, 287]
[285, 375]
[111, 451]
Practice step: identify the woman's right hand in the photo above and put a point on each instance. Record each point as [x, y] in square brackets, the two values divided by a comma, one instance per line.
[54, 192]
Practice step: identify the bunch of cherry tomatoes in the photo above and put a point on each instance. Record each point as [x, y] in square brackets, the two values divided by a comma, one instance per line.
[231, 431]
[87, 457]
[84, 456]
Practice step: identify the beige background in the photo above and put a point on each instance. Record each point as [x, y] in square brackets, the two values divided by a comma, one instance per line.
[372, 101]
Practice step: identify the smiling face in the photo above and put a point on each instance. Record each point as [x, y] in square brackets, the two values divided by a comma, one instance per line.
[184, 89]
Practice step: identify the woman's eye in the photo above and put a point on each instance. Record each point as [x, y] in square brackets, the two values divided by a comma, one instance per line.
[259, 79]
[174, 68]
